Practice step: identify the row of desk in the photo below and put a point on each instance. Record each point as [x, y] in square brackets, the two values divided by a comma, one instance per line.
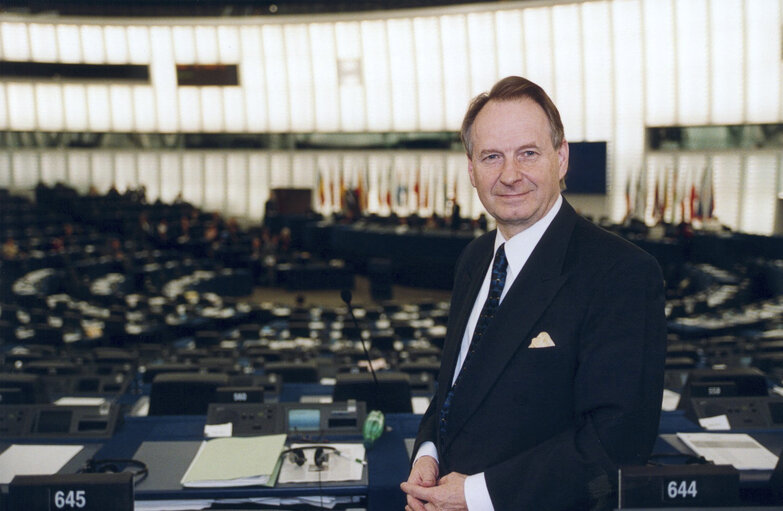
[167, 444]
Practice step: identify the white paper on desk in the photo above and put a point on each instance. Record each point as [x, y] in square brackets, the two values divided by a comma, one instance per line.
[171, 505]
[738, 449]
[35, 460]
[339, 467]
[80, 401]
[717, 422]
[218, 430]
[420, 404]
[320, 501]
[670, 400]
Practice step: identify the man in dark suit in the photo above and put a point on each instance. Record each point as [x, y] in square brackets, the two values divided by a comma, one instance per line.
[552, 368]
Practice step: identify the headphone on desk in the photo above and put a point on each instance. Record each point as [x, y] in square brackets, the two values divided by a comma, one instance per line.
[296, 455]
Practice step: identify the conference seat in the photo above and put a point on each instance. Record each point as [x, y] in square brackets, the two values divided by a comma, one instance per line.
[294, 372]
[184, 393]
[392, 394]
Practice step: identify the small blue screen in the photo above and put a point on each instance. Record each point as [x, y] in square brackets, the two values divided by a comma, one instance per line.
[304, 420]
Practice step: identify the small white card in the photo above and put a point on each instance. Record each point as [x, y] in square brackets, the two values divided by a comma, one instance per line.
[715, 423]
[218, 430]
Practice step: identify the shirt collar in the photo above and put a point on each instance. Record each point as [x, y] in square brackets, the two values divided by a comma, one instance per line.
[521, 245]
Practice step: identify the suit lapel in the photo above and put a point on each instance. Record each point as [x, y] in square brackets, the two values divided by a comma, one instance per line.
[528, 298]
[463, 307]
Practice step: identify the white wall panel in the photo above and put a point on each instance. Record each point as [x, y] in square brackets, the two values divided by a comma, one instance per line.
[257, 184]
[191, 118]
[150, 174]
[539, 39]
[99, 112]
[210, 100]
[325, 96]
[49, 105]
[194, 169]
[144, 111]
[280, 170]
[139, 51]
[727, 181]
[598, 69]
[758, 205]
[429, 74]
[403, 71]
[350, 77]
[728, 71]
[163, 72]
[510, 43]
[277, 96]
[483, 53]
[693, 63]
[101, 171]
[69, 44]
[174, 177]
[214, 181]
[122, 105]
[300, 66]
[229, 49]
[43, 42]
[126, 170]
[762, 83]
[16, 41]
[28, 164]
[93, 47]
[21, 106]
[116, 40]
[5, 121]
[237, 185]
[76, 107]
[184, 44]
[233, 110]
[569, 91]
[253, 79]
[53, 167]
[453, 32]
[660, 62]
[6, 172]
[206, 44]
[78, 170]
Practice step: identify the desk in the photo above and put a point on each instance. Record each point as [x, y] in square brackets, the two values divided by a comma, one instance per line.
[168, 443]
[178, 438]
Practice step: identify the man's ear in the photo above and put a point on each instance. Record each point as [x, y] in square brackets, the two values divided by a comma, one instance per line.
[562, 159]
[470, 171]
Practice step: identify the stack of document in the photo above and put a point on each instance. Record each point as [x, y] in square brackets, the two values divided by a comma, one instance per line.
[345, 463]
[235, 461]
[738, 449]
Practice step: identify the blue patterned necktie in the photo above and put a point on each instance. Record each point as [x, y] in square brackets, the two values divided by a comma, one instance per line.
[496, 283]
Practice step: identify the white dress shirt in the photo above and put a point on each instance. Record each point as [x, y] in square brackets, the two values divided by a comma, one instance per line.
[518, 250]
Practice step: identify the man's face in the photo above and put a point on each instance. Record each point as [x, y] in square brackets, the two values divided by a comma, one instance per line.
[514, 167]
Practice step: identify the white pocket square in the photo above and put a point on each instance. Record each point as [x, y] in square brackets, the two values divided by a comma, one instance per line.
[542, 340]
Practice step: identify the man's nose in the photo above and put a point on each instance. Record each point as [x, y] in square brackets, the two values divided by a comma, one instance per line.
[511, 172]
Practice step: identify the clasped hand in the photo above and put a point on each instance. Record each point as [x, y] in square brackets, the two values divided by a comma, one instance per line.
[425, 492]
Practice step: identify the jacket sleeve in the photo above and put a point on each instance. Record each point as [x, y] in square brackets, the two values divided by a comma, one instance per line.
[618, 386]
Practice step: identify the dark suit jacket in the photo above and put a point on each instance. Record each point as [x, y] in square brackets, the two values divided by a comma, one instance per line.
[550, 426]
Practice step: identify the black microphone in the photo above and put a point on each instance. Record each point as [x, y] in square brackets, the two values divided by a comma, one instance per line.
[375, 422]
[345, 294]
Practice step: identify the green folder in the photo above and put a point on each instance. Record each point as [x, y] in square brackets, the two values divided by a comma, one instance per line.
[235, 461]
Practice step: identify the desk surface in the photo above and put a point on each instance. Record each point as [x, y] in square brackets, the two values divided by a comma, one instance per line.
[167, 445]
